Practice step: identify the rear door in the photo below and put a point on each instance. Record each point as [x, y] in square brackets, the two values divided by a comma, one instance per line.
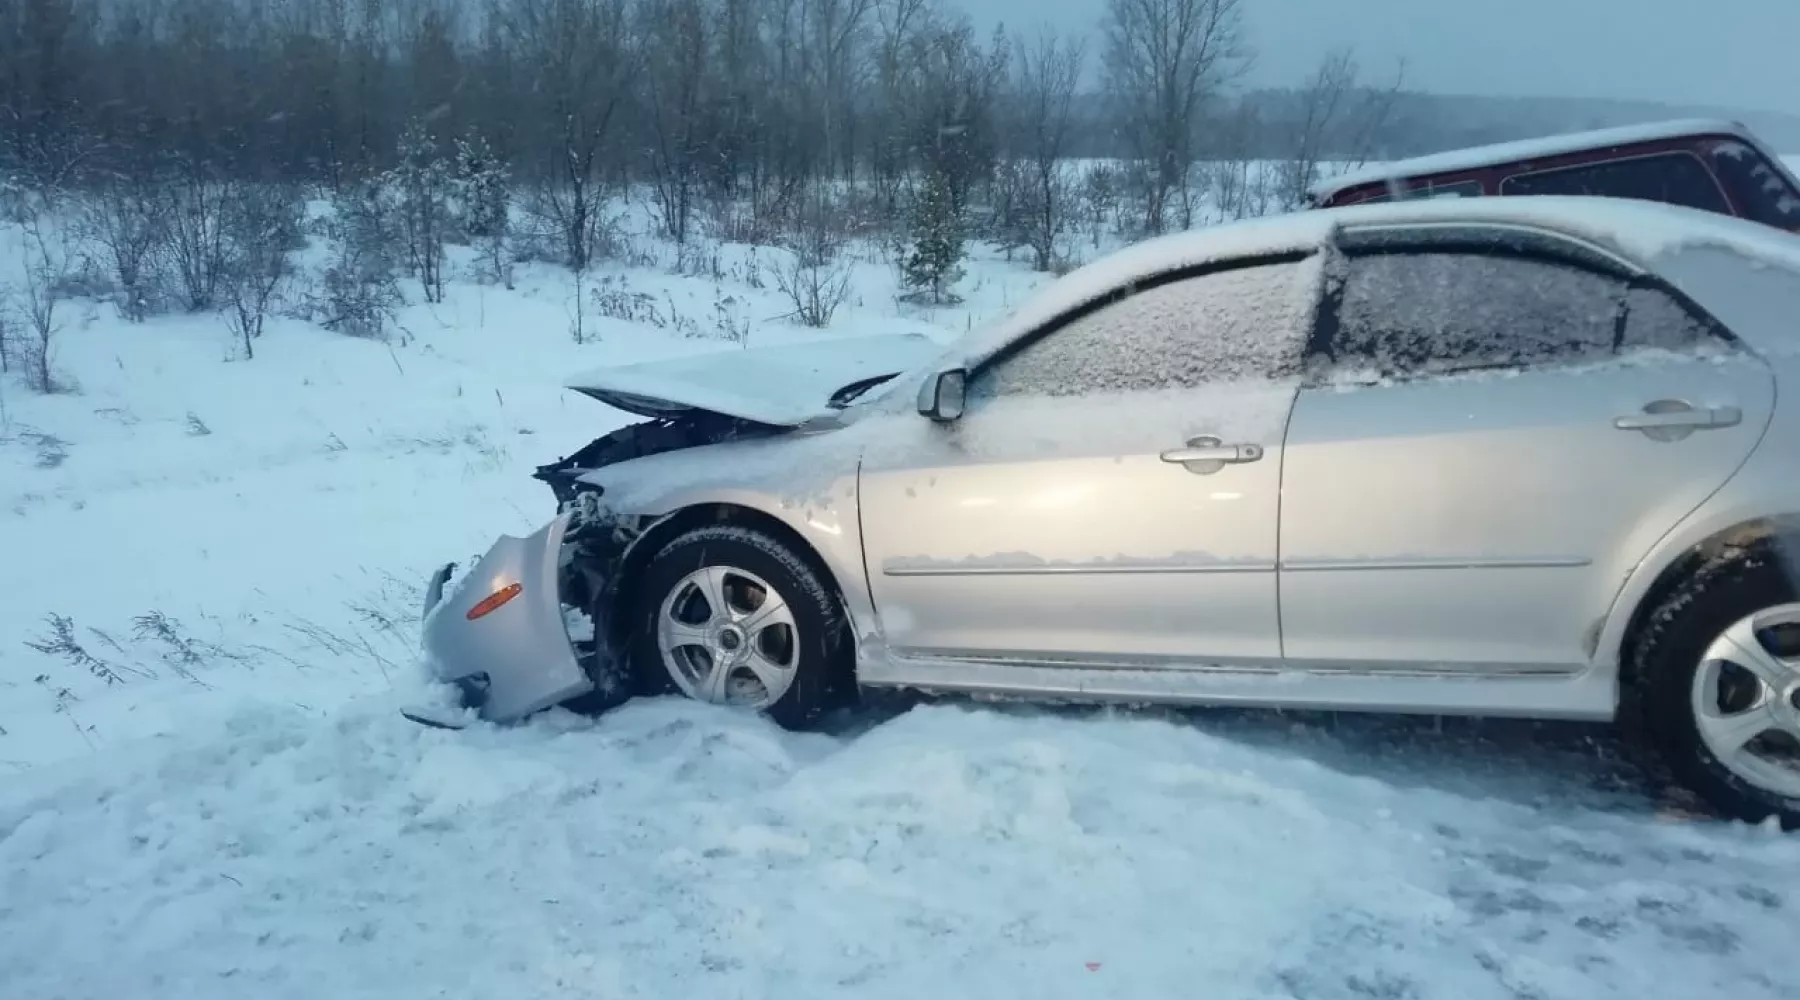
[1494, 432]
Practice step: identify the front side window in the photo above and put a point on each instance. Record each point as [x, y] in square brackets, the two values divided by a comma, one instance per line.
[1672, 178]
[1411, 314]
[1244, 323]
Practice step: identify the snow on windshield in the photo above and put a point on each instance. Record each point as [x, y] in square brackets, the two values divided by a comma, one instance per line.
[1429, 312]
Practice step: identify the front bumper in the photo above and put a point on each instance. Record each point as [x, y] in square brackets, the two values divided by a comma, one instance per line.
[515, 656]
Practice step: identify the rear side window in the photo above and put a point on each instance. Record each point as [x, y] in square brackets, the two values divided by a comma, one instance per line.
[1655, 320]
[1765, 195]
[1673, 178]
[1240, 324]
[1414, 314]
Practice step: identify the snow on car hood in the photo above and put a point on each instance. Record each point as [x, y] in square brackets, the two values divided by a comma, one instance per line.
[782, 386]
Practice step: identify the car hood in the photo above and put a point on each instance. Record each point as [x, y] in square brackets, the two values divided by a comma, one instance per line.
[783, 386]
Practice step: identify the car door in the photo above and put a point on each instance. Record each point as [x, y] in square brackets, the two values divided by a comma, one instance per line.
[1493, 433]
[1109, 496]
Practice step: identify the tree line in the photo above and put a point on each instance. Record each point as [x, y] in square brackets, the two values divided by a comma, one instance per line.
[191, 129]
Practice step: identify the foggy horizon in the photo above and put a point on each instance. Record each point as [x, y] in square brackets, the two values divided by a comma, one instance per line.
[1744, 46]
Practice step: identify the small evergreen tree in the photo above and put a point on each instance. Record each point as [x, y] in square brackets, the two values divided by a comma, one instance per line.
[931, 263]
[480, 188]
[360, 292]
[422, 181]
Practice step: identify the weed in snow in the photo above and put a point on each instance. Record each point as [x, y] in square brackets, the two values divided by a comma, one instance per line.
[52, 451]
[61, 642]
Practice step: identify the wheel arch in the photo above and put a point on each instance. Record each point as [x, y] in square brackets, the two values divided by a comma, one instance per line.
[665, 529]
[1777, 535]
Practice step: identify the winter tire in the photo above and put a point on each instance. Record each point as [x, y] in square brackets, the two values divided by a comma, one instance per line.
[1716, 690]
[731, 616]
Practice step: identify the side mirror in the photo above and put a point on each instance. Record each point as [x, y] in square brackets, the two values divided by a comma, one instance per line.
[941, 397]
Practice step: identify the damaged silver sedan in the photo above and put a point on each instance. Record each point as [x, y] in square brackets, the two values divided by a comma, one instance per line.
[1519, 457]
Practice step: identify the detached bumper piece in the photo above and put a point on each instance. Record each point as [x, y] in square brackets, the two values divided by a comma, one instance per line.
[499, 635]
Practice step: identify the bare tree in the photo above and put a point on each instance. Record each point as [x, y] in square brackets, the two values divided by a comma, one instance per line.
[580, 65]
[6, 331]
[1336, 118]
[1046, 75]
[676, 84]
[1164, 60]
[47, 267]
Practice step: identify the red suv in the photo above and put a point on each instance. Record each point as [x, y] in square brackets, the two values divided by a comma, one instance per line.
[1717, 166]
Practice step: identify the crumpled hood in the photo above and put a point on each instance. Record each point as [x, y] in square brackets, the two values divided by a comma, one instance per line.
[782, 386]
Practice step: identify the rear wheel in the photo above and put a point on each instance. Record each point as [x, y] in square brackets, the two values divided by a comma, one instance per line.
[731, 616]
[1717, 687]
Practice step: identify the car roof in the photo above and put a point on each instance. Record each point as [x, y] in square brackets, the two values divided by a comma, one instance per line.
[1638, 231]
[1477, 157]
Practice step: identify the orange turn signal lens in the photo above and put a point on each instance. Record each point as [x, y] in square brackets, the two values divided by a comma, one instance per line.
[494, 600]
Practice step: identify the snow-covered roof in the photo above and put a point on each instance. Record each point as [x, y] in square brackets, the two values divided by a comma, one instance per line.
[1141, 261]
[1476, 157]
[1640, 231]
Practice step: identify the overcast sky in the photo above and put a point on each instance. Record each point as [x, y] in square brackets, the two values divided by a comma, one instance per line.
[1743, 53]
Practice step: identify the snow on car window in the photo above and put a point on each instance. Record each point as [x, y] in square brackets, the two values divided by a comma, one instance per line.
[1244, 323]
[1656, 321]
[1424, 313]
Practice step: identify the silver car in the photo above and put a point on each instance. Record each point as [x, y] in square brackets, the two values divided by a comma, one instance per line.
[1515, 457]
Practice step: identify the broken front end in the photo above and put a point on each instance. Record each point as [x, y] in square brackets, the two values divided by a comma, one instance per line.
[536, 621]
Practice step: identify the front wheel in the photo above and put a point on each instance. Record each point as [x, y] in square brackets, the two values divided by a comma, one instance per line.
[1717, 687]
[731, 616]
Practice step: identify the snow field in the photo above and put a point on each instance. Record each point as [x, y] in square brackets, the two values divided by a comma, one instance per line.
[244, 813]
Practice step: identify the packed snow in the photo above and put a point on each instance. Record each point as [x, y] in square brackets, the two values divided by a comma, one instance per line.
[672, 849]
[213, 577]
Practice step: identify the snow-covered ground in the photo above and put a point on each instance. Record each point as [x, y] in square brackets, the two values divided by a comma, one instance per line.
[241, 812]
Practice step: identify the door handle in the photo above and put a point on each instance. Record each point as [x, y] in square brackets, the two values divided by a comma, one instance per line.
[1206, 455]
[1670, 419]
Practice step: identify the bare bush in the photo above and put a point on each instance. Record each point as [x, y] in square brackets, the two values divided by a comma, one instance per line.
[195, 204]
[181, 651]
[125, 218]
[815, 277]
[816, 289]
[263, 224]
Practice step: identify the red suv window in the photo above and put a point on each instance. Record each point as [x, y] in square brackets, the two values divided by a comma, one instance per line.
[1678, 178]
[1762, 192]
